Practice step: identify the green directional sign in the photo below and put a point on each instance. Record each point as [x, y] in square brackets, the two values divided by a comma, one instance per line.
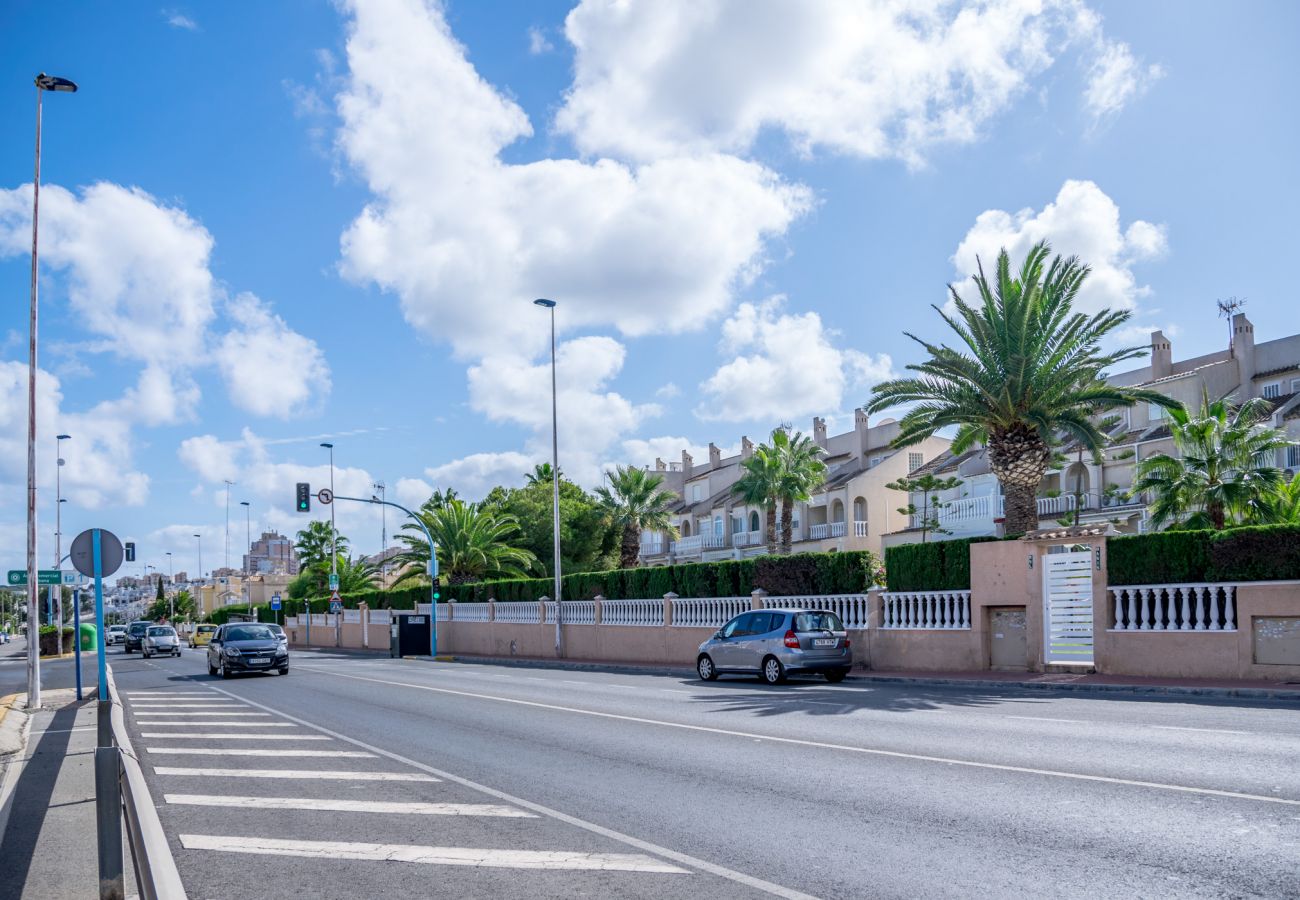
[44, 576]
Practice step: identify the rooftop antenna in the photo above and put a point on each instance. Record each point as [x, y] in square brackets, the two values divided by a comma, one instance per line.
[1227, 309]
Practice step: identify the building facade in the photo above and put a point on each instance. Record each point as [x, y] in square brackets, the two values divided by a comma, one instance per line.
[271, 554]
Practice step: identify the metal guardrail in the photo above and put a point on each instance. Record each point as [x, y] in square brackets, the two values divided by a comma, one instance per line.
[156, 875]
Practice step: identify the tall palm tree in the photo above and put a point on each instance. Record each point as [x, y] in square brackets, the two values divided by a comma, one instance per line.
[1282, 507]
[636, 500]
[474, 543]
[355, 575]
[759, 485]
[801, 470]
[1218, 474]
[313, 544]
[542, 473]
[1031, 369]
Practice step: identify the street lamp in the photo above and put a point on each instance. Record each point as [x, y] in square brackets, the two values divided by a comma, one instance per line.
[171, 589]
[383, 532]
[334, 550]
[62, 85]
[248, 538]
[555, 477]
[58, 529]
[228, 484]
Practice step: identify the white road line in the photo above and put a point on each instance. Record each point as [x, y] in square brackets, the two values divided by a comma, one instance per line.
[555, 860]
[1204, 730]
[224, 723]
[311, 774]
[759, 884]
[188, 715]
[223, 736]
[361, 806]
[870, 751]
[1044, 719]
[181, 705]
[253, 751]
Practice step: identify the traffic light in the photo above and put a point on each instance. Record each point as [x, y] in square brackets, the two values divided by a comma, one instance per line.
[304, 497]
[437, 595]
[129, 547]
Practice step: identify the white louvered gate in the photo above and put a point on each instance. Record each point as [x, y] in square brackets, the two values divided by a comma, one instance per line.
[1067, 601]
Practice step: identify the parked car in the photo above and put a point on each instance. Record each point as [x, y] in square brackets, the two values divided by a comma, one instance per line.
[246, 647]
[135, 635]
[116, 634]
[279, 633]
[201, 634]
[775, 643]
[161, 639]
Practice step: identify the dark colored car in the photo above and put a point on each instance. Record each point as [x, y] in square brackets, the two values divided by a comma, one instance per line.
[774, 643]
[246, 647]
[135, 633]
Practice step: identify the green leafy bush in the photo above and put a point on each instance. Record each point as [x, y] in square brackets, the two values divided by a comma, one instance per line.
[1256, 553]
[1165, 557]
[932, 566]
[49, 639]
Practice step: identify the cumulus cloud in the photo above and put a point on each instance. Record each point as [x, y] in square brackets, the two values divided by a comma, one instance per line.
[466, 240]
[784, 365]
[270, 369]
[474, 475]
[1082, 221]
[177, 19]
[874, 79]
[538, 42]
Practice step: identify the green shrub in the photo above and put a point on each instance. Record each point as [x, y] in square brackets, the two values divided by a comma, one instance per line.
[48, 639]
[932, 566]
[1165, 557]
[1257, 553]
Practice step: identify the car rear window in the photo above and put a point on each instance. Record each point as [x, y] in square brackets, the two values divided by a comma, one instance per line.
[159, 630]
[817, 621]
[138, 627]
[207, 629]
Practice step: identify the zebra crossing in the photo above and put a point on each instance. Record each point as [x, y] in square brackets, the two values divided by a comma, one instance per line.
[235, 782]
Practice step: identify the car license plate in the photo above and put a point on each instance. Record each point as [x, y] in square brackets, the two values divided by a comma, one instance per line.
[824, 642]
[258, 660]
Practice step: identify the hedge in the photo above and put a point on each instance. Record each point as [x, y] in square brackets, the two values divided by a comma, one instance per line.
[48, 639]
[845, 572]
[1253, 553]
[932, 566]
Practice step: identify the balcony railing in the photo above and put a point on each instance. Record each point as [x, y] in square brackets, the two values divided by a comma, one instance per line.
[859, 529]
[827, 530]
[697, 543]
[748, 539]
[973, 509]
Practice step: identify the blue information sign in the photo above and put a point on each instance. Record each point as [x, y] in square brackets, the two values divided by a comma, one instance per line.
[275, 601]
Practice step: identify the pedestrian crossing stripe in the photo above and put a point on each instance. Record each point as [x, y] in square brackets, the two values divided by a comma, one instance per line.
[356, 806]
[309, 774]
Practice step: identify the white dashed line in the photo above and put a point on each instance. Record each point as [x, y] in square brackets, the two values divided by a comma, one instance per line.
[224, 723]
[1202, 730]
[245, 751]
[310, 774]
[191, 715]
[360, 806]
[224, 736]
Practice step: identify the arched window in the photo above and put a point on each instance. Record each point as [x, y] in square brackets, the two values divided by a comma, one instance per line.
[859, 510]
[754, 523]
[686, 527]
[837, 511]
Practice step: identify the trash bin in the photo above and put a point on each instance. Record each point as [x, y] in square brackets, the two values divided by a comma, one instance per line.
[89, 638]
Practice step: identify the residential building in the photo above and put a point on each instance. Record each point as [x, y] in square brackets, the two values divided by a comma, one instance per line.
[238, 591]
[1101, 490]
[851, 510]
[272, 553]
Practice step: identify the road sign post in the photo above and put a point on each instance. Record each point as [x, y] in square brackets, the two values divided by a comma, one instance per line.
[275, 608]
[76, 637]
[97, 553]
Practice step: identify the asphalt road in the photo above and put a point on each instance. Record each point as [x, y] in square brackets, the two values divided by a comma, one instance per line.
[559, 783]
[55, 673]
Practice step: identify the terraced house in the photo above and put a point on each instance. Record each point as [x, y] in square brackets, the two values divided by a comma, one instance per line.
[1100, 492]
[851, 510]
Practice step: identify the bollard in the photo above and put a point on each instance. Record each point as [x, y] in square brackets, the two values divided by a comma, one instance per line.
[108, 815]
[104, 719]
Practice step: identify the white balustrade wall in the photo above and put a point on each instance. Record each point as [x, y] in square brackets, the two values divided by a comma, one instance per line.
[521, 613]
[853, 609]
[322, 619]
[473, 612]
[1175, 607]
[708, 612]
[576, 612]
[444, 612]
[926, 610]
[351, 617]
[632, 612]
[381, 617]
[291, 622]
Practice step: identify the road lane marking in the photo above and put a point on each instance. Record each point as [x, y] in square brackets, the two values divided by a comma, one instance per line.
[361, 806]
[254, 751]
[1202, 730]
[182, 705]
[554, 860]
[1045, 719]
[225, 736]
[166, 694]
[190, 715]
[323, 774]
[870, 751]
[702, 865]
[225, 723]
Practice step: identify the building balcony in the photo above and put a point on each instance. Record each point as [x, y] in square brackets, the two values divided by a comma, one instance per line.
[975, 515]
[697, 544]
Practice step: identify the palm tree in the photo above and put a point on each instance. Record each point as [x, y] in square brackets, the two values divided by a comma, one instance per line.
[474, 543]
[801, 471]
[356, 574]
[759, 485]
[635, 500]
[1219, 472]
[542, 473]
[1031, 369]
[313, 544]
[1283, 506]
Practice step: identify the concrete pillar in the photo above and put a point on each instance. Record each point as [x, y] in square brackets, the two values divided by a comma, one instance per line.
[668, 607]
[756, 598]
[365, 623]
[600, 601]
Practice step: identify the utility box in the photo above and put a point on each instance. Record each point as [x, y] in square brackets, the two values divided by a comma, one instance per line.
[409, 635]
[1008, 648]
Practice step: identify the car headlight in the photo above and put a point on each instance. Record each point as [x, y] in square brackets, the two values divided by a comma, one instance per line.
[232, 651]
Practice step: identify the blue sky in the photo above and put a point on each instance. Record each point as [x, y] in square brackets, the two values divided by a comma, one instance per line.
[267, 225]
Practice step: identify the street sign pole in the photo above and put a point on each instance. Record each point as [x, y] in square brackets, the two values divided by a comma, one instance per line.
[76, 636]
[99, 618]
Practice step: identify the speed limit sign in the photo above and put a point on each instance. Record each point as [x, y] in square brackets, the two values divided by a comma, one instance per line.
[325, 495]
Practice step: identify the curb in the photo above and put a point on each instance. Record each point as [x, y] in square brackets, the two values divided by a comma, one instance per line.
[1093, 688]
[562, 664]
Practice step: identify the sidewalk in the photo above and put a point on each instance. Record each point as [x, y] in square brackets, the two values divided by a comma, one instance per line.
[49, 849]
[1200, 687]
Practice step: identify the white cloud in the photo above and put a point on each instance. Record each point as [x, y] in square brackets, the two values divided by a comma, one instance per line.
[474, 475]
[467, 241]
[538, 42]
[178, 19]
[1115, 79]
[411, 492]
[784, 366]
[871, 79]
[1082, 221]
[270, 369]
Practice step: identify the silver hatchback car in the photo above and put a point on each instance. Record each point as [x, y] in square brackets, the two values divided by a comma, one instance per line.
[774, 643]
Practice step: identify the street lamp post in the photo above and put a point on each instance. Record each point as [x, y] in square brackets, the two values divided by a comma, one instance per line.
[227, 563]
[555, 479]
[383, 532]
[248, 538]
[171, 590]
[198, 600]
[43, 83]
[58, 528]
[334, 550]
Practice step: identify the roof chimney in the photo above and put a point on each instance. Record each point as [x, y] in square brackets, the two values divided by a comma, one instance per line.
[659, 464]
[715, 456]
[861, 425]
[746, 447]
[1243, 348]
[1162, 357]
[819, 431]
[686, 464]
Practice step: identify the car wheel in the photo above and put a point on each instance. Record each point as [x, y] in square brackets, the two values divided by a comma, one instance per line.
[773, 672]
[144, 654]
[836, 676]
[224, 670]
[706, 669]
[284, 671]
[212, 670]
